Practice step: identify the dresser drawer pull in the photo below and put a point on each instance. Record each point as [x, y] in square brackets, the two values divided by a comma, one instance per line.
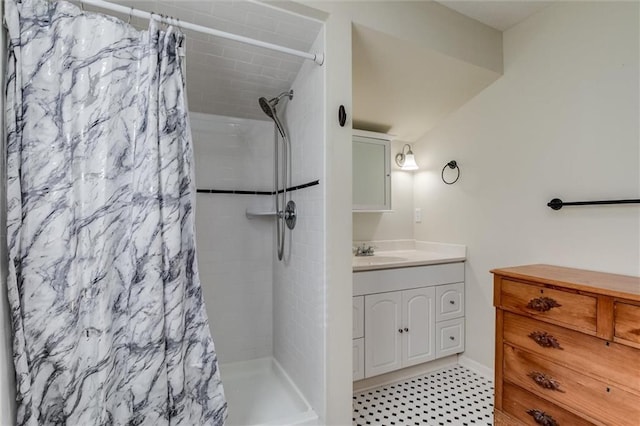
[545, 381]
[545, 340]
[542, 304]
[542, 418]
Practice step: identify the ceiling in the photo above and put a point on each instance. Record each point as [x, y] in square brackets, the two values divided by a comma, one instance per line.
[400, 88]
[500, 15]
[404, 89]
[226, 77]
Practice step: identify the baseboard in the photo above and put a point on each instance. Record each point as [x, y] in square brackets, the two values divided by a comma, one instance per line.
[475, 366]
[403, 374]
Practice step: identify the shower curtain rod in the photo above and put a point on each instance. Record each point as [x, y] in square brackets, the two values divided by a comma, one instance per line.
[318, 58]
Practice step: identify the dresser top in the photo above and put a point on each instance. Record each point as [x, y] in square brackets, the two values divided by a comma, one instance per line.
[623, 286]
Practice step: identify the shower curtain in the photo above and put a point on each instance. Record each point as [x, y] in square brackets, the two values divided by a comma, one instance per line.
[109, 323]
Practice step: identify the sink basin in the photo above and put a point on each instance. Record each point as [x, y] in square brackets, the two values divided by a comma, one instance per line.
[375, 260]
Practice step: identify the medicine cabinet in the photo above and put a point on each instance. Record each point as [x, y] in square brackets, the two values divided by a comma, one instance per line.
[371, 171]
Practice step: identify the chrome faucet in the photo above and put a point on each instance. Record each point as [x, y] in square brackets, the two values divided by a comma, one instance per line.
[364, 250]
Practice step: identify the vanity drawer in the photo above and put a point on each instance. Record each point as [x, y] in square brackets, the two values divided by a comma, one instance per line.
[573, 310]
[592, 398]
[576, 350]
[449, 301]
[449, 337]
[526, 407]
[627, 323]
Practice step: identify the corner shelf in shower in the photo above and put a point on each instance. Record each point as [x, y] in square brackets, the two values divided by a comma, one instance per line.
[258, 215]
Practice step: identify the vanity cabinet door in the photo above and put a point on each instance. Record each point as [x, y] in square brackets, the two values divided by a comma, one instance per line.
[418, 319]
[358, 317]
[358, 359]
[382, 322]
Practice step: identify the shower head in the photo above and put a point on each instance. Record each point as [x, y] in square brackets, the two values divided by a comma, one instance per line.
[269, 108]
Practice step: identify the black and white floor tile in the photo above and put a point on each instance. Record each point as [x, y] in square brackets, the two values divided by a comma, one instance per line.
[455, 396]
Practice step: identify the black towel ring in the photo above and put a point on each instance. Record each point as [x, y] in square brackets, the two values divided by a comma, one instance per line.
[452, 165]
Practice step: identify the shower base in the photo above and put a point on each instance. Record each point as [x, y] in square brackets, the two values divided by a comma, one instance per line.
[259, 392]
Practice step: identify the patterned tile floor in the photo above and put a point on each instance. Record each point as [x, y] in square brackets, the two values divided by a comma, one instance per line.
[453, 396]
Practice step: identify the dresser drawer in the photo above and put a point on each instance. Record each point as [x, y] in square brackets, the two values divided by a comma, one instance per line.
[532, 410]
[627, 323]
[573, 310]
[576, 350]
[590, 397]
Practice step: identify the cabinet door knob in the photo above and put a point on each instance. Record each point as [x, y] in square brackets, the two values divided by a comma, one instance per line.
[453, 302]
[542, 304]
[406, 329]
[545, 381]
[452, 338]
[399, 330]
[542, 418]
[545, 340]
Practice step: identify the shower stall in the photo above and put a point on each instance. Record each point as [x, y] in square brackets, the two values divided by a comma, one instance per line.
[264, 288]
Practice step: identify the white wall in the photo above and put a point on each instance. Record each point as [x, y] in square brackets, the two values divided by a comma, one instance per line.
[563, 122]
[235, 255]
[394, 225]
[427, 24]
[299, 294]
[338, 225]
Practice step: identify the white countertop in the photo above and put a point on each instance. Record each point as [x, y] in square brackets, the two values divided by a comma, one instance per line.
[408, 253]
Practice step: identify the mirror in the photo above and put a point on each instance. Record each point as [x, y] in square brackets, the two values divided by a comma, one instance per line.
[371, 171]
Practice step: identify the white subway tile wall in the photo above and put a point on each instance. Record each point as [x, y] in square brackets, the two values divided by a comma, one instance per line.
[299, 299]
[235, 255]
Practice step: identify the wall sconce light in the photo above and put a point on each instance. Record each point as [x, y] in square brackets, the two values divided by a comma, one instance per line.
[406, 160]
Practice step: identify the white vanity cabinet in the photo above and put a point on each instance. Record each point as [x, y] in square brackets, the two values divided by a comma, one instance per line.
[401, 324]
[419, 319]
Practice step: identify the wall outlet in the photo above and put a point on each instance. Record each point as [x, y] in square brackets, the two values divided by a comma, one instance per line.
[418, 215]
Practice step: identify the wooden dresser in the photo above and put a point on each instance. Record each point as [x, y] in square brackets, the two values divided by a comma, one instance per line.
[567, 347]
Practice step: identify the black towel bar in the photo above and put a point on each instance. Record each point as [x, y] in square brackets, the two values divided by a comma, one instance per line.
[557, 203]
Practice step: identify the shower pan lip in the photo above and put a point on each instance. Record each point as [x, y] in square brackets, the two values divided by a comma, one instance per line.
[236, 374]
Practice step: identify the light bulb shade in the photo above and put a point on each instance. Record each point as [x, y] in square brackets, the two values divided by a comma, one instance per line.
[406, 161]
[409, 162]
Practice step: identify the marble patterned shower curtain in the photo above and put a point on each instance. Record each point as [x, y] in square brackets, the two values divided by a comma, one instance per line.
[109, 323]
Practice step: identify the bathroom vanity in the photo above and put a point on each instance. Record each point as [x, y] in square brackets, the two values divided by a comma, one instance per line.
[408, 309]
